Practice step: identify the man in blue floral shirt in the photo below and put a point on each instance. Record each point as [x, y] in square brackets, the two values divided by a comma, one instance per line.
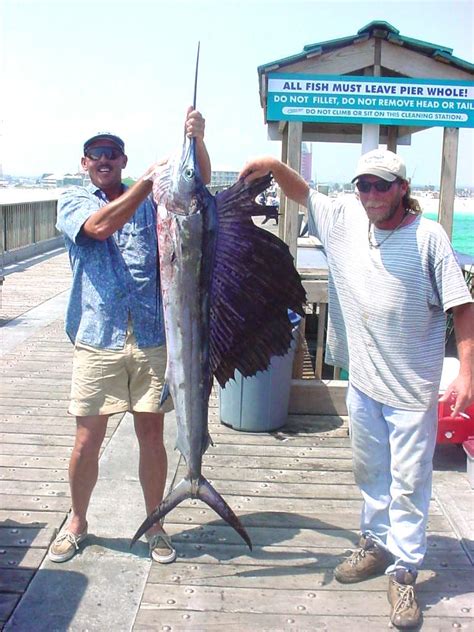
[115, 321]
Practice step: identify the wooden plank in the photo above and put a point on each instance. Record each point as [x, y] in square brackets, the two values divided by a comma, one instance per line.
[409, 63]
[26, 461]
[276, 556]
[266, 476]
[255, 488]
[27, 519]
[231, 621]
[23, 449]
[39, 440]
[8, 602]
[260, 600]
[280, 449]
[24, 538]
[34, 503]
[316, 290]
[299, 577]
[309, 518]
[14, 580]
[14, 557]
[313, 397]
[284, 463]
[339, 61]
[33, 474]
[34, 488]
[328, 538]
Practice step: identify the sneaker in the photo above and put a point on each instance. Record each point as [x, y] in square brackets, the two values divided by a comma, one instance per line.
[65, 545]
[369, 560]
[405, 612]
[161, 549]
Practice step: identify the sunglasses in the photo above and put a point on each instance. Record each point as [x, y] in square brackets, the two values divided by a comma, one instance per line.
[110, 153]
[382, 186]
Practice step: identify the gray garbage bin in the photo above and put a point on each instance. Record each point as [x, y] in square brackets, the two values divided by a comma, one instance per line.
[260, 403]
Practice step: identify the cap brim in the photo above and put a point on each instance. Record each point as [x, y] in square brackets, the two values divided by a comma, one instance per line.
[380, 173]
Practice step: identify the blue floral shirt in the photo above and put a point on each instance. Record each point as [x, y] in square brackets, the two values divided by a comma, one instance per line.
[113, 280]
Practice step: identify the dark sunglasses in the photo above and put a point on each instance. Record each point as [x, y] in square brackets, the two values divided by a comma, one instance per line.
[382, 186]
[110, 153]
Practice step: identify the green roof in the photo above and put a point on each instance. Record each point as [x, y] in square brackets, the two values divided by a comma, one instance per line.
[381, 29]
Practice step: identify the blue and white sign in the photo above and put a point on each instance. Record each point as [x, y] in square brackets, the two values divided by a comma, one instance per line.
[376, 100]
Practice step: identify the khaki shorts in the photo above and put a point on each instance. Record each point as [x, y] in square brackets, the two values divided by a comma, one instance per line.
[107, 381]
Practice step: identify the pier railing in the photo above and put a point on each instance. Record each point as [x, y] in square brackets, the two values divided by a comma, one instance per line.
[27, 228]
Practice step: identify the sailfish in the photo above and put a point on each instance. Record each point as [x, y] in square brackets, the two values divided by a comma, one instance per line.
[227, 286]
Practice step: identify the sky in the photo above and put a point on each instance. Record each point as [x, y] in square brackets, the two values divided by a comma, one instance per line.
[72, 68]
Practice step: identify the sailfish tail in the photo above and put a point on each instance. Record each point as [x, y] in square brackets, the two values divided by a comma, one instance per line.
[203, 491]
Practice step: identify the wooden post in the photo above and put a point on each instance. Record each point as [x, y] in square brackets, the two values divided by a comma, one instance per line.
[448, 178]
[392, 138]
[283, 199]
[295, 133]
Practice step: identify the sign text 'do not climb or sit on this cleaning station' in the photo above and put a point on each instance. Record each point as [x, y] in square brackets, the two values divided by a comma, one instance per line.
[384, 100]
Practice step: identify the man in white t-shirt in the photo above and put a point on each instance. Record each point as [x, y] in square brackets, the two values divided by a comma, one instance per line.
[393, 275]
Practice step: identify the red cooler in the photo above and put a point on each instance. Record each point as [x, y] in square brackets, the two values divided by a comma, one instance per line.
[453, 429]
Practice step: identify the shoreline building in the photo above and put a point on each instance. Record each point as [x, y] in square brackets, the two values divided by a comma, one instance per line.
[306, 170]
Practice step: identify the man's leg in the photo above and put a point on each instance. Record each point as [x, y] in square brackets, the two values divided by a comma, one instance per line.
[83, 472]
[371, 465]
[413, 440]
[153, 465]
[84, 467]
[153, 468]
[371, 462]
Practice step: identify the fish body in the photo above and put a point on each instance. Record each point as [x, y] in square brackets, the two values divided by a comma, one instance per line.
[219, 291]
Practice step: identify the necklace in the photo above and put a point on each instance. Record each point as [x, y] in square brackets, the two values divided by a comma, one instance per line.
[372, 244]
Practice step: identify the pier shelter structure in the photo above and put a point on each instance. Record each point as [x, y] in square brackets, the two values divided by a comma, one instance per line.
[377, 50]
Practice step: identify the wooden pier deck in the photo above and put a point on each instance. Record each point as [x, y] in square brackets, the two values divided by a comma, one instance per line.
[293, 490]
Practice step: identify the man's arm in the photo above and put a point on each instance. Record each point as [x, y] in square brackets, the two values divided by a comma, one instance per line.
[112, 216]
[291, 183]
[463, 385]
[109, 218]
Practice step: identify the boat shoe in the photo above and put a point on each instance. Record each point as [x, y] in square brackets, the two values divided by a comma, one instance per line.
[405, 612]
[161, 549]
[65, 545]
[369, 560]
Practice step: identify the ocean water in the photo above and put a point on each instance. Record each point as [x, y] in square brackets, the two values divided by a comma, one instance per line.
[463, 230]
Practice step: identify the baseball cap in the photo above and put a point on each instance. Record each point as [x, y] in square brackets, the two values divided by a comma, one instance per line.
[382, 163]
[105, 136]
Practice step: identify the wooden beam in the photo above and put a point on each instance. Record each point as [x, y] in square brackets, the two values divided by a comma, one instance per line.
[392, 138]
[409, 63]
[448, 178]
[318, 397]
[295, 131]
[283, 200]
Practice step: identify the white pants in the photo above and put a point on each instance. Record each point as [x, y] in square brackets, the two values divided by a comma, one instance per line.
[393, 464]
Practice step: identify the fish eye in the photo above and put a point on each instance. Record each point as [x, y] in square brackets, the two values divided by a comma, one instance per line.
[189, 173]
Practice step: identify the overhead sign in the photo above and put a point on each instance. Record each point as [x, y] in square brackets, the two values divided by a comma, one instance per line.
[376, 100]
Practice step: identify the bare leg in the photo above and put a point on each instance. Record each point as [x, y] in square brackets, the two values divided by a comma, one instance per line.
[84, 467]
[153, 461]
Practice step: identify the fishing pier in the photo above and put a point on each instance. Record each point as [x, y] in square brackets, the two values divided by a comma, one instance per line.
[293, 489]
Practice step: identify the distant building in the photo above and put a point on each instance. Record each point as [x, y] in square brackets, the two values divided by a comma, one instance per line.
[223, 178]
[306, 162]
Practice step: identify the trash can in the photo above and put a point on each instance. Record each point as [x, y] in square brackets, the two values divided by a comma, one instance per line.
[260, 403]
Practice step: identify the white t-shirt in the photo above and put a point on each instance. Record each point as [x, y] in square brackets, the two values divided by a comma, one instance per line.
[387, 305]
